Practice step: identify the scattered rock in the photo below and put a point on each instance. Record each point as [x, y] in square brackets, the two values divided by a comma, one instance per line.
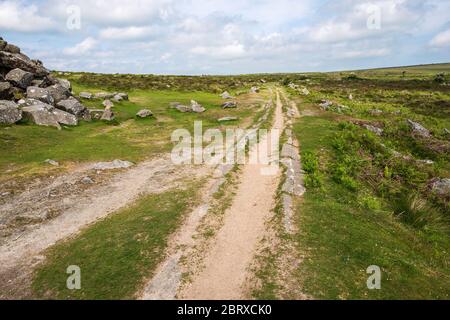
[108, 115]
[325, 104]
[196, 107]
[428, 162]
[116, 164]
[86, 95]
[229, 105]
[226, 95]
[20, 78]
[183, 108]
[376, 130]
[304, 91]
[228, 119]
[52, 162]
[104, 95]
[375, 112]
[40, 94]
[117, 98]
[254, 90]
[174, 105]
[96, 114]
[419, 129]
[9, 112]
[446, 131]
[108, 104]
[124, 96]
[350, 97]
[144, 113]
[441, 186]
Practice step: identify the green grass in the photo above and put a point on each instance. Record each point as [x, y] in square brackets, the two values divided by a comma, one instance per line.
[340, 236]
[24, 146]
[116, 254]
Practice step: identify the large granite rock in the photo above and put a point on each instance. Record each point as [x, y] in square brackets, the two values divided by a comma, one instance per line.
[11, 61]
[9, 112]
[19, 78]
[74, 107]
[5, 90]
[59, 93]
[41, 94]
[47, 115]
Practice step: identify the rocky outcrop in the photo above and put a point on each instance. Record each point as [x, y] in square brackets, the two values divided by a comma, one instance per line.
[44, 100]
[9, 112]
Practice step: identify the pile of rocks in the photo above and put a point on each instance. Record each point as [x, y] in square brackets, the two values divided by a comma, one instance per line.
[28, 91]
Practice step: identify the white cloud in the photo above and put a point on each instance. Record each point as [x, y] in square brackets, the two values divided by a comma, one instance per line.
[230, 51]
[81, 48]
[17, 16]
[353, 54]
[127, 33]
[441, 40]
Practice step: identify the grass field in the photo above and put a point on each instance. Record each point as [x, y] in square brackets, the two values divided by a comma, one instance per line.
[25, 147]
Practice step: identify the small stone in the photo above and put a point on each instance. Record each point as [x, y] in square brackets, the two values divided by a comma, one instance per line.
[224, 119]
[87, 180]
[144, 113]
[229, 105]
[52, 162]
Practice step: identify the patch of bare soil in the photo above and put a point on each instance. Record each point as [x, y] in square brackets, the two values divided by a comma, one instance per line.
[76, 207]
[227, 262]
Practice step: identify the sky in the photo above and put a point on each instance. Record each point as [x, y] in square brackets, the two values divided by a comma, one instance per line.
[225, 36]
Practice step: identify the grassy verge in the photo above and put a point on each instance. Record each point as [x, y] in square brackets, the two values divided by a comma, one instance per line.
[116, 254]
[342, 234]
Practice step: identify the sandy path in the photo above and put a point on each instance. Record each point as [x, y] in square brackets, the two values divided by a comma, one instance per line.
[18, 256]
[227, 262]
